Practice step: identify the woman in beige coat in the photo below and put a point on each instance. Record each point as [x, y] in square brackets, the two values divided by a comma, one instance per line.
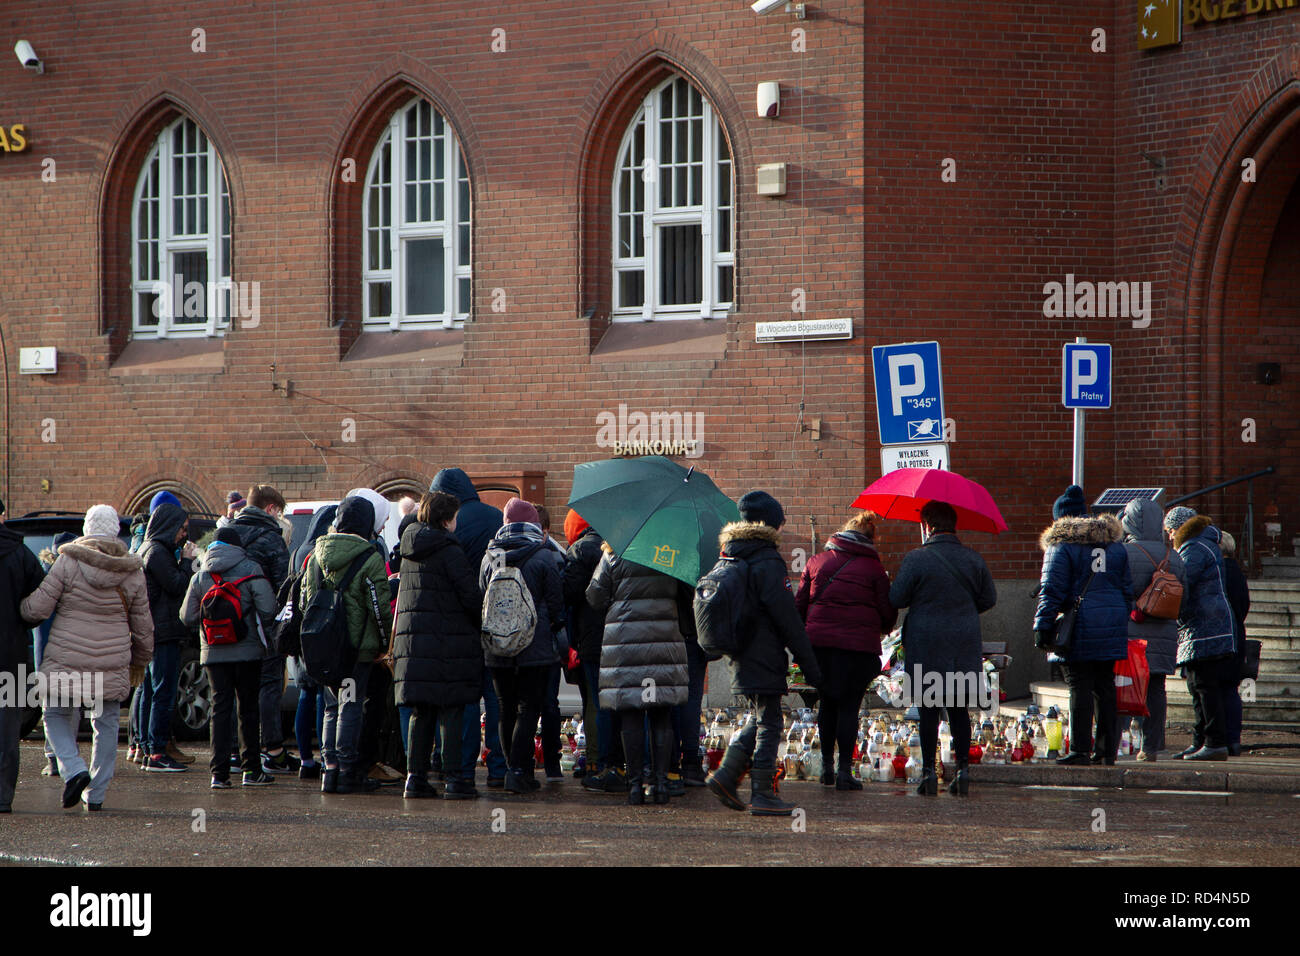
[102, 628]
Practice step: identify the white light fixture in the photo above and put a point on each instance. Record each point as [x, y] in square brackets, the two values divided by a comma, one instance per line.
[764, 7]
[27, 56]
[769, 99]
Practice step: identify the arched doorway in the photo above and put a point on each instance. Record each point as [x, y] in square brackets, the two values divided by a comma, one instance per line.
[1242, 332]
[191, 500]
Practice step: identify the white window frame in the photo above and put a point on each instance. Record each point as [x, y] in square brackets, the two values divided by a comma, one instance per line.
[162, 272]
[457, 307]
[654, 217]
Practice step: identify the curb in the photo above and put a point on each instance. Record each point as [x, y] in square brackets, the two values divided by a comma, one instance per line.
[1123, 778]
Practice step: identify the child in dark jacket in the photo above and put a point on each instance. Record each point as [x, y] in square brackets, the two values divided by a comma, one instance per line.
[759, 671]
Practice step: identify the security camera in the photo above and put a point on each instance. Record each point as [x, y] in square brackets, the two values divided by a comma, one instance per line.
[27, 56]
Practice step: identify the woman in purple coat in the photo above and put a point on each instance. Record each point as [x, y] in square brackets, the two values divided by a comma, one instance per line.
[844, 601]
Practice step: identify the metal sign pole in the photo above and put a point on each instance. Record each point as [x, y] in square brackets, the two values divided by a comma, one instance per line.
[1078, 436]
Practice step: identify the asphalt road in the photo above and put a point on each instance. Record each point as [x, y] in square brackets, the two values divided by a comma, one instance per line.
[174, 819]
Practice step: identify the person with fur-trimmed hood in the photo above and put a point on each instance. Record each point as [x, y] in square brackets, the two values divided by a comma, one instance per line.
[1205, 631]
[759, 671]
[1082, 552]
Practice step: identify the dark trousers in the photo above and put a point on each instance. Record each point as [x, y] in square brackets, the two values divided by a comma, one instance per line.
[662, 739]
[686, 717]
[761, 737]
[521, 692]
[1232, 712]
[1092, 691]
[488, 736]
[10, 724]
[958, 721]
[378, 699]
[1153, 725]
[447, 723]
[161, 679]
[551, 720]
[1206, 680]
[235, 686]
[848, 674]
[269, 693]
[604, 730]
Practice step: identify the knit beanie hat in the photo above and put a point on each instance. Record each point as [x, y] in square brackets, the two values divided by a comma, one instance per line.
[760, 506]
[1070, 504]
[236, 500]
[1177, 517]
[163, 497]
[356, 516]
[378, 502]
[62, 538]
[519, 510]
[101, 520]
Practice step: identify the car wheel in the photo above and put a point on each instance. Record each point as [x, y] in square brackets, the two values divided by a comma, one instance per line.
[193, 699]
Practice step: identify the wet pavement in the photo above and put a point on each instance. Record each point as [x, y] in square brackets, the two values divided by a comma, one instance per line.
[174, 819]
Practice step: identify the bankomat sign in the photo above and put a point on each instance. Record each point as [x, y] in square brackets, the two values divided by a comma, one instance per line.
[1161, 23]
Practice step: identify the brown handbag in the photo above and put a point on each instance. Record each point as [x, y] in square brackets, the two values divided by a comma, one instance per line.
[1163, 597]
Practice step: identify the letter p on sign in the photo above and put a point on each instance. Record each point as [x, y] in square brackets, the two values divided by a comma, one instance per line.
[1081, 359]
[897, 389]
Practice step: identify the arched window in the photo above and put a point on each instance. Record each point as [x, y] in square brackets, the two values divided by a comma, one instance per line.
[180, 232]
[673, 222]
[415, 269]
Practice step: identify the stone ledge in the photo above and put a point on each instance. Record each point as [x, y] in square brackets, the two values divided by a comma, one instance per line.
[188, 356]
[429, 347]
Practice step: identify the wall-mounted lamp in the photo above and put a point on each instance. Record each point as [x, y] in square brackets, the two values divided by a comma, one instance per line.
[763, 7]
[1268, 373]
[27, 56]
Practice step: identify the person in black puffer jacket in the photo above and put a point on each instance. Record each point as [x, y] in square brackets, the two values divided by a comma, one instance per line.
[168, 567]
[520, 681]
[642, 663]
[20, 575]
[759, 671]
[1072, 548]
[437, 656]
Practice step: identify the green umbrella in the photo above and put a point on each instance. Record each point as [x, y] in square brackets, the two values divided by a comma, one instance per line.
[654, 512]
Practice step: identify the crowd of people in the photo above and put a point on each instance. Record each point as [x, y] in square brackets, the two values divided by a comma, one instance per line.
[418, 667]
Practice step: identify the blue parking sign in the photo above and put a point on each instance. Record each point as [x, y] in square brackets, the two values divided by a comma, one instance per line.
[1085, 375]
[909, 393]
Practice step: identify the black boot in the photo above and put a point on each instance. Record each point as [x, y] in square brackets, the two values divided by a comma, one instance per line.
[929, 785]
[634, 750]
[417, 787]
[664, 742]
[763, 801]
[725, 781]
[329, 780]
[844, 780]
[960, 786]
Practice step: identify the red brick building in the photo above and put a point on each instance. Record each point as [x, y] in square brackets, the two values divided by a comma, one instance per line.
[456, 243]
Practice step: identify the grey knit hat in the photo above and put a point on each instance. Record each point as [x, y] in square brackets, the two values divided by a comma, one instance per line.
[1177, 517]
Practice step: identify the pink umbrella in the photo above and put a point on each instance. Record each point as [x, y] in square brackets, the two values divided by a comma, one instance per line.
[901, 494]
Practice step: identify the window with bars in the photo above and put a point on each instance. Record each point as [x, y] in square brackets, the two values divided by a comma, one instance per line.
[180, 238]
[673, 210]
[416, 225]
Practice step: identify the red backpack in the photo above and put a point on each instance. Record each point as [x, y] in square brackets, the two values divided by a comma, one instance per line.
[221, 612]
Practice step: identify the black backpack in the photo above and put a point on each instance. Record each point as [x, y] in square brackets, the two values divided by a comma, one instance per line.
[288, 621]
[327, 651]
[722, 608]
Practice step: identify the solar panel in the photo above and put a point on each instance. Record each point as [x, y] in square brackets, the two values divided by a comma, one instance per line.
[1115, 499]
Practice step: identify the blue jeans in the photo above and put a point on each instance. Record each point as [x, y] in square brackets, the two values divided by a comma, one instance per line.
[309, 716]
[686, 717]
[160, 700]
[604, 729]
[471, 739]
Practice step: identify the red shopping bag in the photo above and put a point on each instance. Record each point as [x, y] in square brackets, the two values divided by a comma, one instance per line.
[1131, 679]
